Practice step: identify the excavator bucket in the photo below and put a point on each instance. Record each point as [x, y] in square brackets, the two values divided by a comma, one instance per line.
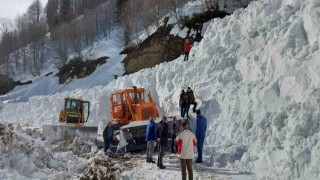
[58, 132]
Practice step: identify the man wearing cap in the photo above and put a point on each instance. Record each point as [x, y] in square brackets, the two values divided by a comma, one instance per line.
[200, 134]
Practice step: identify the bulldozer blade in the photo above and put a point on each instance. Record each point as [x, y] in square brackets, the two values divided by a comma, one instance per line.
[133, 136]
[57, 132]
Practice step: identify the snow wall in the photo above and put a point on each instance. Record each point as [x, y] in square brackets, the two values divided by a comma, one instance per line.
[256, 77]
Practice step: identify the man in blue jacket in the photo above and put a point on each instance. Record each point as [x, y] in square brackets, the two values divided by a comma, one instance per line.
[200, 134]
[107, 136]
[151, 137]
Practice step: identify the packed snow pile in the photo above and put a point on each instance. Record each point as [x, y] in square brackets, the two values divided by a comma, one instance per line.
[256, 77]
[25, 154]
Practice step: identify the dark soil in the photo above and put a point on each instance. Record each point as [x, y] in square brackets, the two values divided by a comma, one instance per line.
[77, 68]
[7, 84]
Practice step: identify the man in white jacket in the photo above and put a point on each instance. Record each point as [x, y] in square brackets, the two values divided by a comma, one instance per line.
[186, 141]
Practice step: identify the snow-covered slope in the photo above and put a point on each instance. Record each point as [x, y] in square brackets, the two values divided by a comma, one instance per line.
[256, 77]
[48, 85]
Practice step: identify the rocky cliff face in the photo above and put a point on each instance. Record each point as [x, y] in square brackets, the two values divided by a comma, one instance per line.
[162, 46]
[7, 84]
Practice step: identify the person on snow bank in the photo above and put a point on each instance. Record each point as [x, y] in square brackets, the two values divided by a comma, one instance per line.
[186, 141]
[151, 137]
[190, 100]
[183, 103]
[187, 48]
[107, 136]
[162, 140]
[200, 134]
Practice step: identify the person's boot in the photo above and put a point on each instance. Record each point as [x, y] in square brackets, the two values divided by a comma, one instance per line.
[162, 167]
[151, 160]
[148, 160]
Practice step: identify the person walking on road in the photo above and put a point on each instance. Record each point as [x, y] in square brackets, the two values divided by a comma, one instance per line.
[186, 141]
[200, 134]
[163, 141]
[151, 137]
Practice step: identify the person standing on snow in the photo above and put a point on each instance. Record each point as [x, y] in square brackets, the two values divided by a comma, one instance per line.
[187, 48]
[183, 103]
[174, 133]
[151, 137]
[200, 134]
[186, 141]
[191, 100]
[162, 140]
[107, 136]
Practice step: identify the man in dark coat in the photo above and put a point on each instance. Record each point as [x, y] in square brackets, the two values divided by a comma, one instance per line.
[190, 100]
[163, 140]
[107, 136]
[174, 133]
[151, 137]
[200, 134]
[183, 103]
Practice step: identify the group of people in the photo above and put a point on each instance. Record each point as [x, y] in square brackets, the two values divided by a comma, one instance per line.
[186, 100]
[183, 142]
[183, 138]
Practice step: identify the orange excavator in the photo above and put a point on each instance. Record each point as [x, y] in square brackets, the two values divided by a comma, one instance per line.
[130, 111]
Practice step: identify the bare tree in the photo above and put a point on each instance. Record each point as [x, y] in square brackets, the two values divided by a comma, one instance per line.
[6, 43]
[37, 30]
[60, 46]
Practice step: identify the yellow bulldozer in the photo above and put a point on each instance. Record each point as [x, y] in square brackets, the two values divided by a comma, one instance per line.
[72, 119]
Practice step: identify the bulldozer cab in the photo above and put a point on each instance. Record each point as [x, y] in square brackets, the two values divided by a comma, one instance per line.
[75, 112]
[132, 105]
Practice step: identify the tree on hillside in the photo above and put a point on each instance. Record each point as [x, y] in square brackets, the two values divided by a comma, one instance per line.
[37, 30]
[65, 10]
[22, 40]
[6, 43]
[52, 14]
[60, 46]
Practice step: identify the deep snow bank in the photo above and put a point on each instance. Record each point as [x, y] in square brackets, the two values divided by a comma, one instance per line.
[25, 154]
[256, 77]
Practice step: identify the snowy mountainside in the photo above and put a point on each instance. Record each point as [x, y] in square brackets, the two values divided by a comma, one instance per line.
[256, 77]
[48, 85]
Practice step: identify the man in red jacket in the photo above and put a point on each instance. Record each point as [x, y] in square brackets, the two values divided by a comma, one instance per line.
[187, 48]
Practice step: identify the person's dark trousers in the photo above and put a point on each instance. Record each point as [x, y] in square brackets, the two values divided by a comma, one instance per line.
[186, 164]
[173, 144]
[186, 56]
[200, 141]
[187, 110]
[160, 155]
[106, 144]
[183, 109]
[194, 106]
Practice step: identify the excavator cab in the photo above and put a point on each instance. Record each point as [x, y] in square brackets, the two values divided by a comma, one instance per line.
[75, 112]
[131, 105]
